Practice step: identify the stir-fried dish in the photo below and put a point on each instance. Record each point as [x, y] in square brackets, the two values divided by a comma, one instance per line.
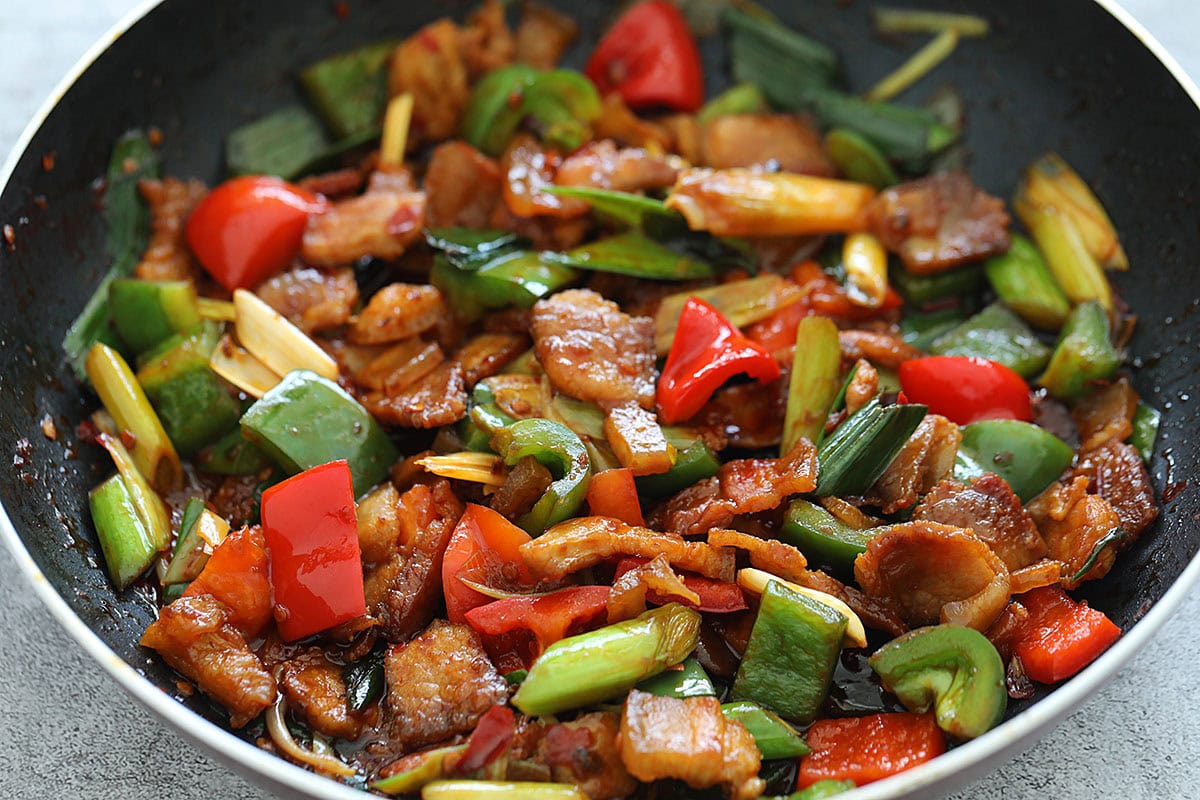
[504, 430]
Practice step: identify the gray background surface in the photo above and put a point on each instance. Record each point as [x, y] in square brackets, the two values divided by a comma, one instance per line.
[70, 732]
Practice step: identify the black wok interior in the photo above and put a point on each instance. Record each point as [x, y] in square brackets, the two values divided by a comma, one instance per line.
[1060, 75]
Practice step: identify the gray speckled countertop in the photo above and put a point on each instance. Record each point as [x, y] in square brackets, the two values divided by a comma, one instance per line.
[72, 733]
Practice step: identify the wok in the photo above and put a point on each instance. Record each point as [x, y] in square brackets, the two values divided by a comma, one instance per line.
[1065, 75]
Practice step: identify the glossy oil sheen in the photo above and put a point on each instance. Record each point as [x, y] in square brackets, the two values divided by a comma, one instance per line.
[1060, 75]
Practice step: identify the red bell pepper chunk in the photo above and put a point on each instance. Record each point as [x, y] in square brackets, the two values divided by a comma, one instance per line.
[612, 493]
[708, 350]
[650, 58]
[249, 228]
[493, 734]
[777, 333]
[965, 389]
[716, 597]
[238, 575]
[549, 617]
[483, 544]
[867, 749]
[316, 567]
[1061, 636]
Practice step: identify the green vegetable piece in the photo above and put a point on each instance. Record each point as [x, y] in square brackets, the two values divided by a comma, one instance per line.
[128, 220]
[195, 410]
[814, 383]
[562, 103]
[625, 207]
[922, 328]
[349, 90]
[517, 278]
[1026, 456]
[306, 420]
[289, 143]
[694, 464]
[823, 537]
[774, 737]
[690, 681]
[1084, 353]
[364, 680]
[790, 657]
[516, 677]
[783, 63]
[423, 768]
[744, 98]
[997, 334]
[147, 312]
[822, 790]
[862, 447]
[125, 539]
[605, 663]
[859, 160]
[922, 290]
[172, 592]
[1145, 430]
[909, 135]
[176, 356]
[189, 555]
[558, 448]
[471, 248]
[1024, 283]
[633, 254]
[952, 669]
[1112, 537]
[232, 454]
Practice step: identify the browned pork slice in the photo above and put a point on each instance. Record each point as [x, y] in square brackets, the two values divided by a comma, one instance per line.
[926, 458]
[335, 184]
[379, 524]
[775, 557]
[591, 350]
[312, 299]
[628, 169]
[396, 312]
[746, 414]
[1072, 522]
[938, 222]
[876, 612]
[438, 399]
[430, 66]
[314, 687]
[881, 349]
[992, 511]
[486, 41]
[1117, 473]
[167, 257]
[486, 354]
[462, 187]
[619, 123]
[628, 596]
[934, 573]
[381, 223]
[400, 366]
[690, 740]
[527, 171]
[743, 486]
[1105, 415]
[427, 514]
[586, 752]
[194, 635]
[863, 386]
[586, 541]
[789, 142]
[543, 35]
[439, 685]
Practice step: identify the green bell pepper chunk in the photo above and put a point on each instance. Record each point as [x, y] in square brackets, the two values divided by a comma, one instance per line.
[744, 98]
[693, 464]
[691, 681]
[791, 654]
[921, 290]
[633, 254]
[922, 328]
[289, 142]
[558, 448]
[125, 539]
[177, 355]
[858, 160]
[471, 248]
[427, 766]
[195, 410]
[823, 537]
[562, 103]
[232, 454]
[513, 278]
[1024, 283]
[627, 208]
[952, 669]
[997, 334]
[582, 670]
[306, 420]
[349, 90]
[821, 790]
[774, 737]
[1028, 457]
[1145, 430]
[147, 312]
[1084, 353]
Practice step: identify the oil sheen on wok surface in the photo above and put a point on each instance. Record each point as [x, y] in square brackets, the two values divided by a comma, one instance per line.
[979, 170]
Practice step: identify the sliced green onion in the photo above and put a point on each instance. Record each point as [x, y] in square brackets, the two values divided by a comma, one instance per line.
[911, 20]
[816, 366]
[921, 64]
[862, 447]
[633, 254]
